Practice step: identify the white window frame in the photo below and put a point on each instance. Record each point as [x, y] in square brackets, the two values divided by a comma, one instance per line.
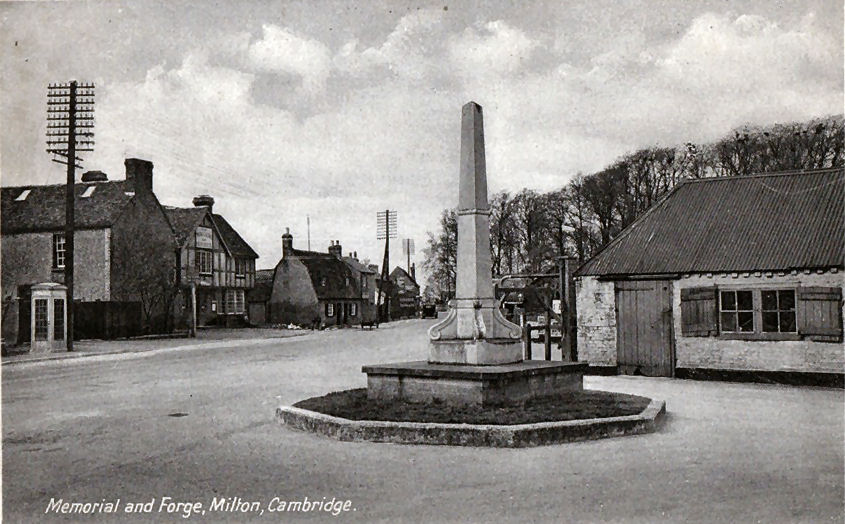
[329, 309]
[202, 256]
[757, 310]
[353, 309]
[59, 250]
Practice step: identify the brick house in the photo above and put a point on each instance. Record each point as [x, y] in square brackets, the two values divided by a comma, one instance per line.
[217, 259]
[123, 243]
[367, 278]
[724, 276]
[315, 289]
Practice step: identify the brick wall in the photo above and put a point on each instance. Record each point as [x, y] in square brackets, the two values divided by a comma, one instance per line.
[755, 355]
[596, 312]
[144, 261]
[27, 258]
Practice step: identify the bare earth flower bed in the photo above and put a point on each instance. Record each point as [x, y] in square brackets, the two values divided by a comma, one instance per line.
[353, 404]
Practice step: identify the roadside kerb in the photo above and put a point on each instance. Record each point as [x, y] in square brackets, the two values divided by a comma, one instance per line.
[484, 435]
[139, 353]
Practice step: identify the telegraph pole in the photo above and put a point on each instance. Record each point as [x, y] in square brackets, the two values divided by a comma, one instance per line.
[408, 248]
[70, 115]
[385, 229]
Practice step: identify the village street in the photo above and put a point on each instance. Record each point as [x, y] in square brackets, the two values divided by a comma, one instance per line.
[199, 423]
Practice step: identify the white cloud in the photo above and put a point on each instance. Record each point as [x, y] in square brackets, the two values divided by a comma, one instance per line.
[494, 47]
[282, 50]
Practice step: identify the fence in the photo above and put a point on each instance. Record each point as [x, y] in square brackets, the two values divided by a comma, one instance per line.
[107, 320]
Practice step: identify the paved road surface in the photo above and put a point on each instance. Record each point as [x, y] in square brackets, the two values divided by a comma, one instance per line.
[93, 429]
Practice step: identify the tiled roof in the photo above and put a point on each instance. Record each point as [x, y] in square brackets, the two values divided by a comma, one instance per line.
[358, 266]
[399, 271]
[777, 221]
[184, 220]
[236, 244]
[43, 209]
[263, 286]
[334, 272]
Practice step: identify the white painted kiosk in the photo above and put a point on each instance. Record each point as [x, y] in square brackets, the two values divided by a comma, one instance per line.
[48, 328]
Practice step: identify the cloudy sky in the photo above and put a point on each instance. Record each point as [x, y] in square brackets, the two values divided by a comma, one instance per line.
[336, 110]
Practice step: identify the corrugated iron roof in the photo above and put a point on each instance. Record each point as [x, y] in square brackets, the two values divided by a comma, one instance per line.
[775, 221]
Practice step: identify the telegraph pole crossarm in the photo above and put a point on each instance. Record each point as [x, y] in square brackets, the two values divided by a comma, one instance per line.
[70, 107]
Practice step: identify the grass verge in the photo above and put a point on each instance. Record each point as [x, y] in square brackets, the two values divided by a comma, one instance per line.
[353, 404]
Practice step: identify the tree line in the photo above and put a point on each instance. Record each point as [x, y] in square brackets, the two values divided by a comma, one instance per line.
[530, 229]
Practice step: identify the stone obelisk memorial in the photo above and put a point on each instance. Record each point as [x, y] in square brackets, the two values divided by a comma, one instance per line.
[475, 354]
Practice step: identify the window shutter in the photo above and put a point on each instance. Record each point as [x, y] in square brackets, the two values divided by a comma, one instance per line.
[820, 313]
[698, 312]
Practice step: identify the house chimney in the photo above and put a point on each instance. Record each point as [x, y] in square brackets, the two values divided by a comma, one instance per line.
[287, 243]
[94, 176]
[335, 249]
[355, 255]
[204, 200]
[139, 174]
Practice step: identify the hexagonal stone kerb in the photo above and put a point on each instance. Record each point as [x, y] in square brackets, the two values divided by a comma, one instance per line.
[473, 385]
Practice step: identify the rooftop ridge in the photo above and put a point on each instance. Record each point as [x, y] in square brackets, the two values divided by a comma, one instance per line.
[791, 172]
[32, 186]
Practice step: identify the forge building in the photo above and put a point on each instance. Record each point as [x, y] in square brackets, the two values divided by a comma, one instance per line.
[727, 276]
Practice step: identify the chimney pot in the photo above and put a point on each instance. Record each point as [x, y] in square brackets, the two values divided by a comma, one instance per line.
[139, 173]
[204, 200]
[94, 176]
[287, 243]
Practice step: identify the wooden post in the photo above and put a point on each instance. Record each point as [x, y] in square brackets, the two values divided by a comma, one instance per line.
[69, 210]
[193, 309]
[526, 341]
[547, 338]
[569, 318]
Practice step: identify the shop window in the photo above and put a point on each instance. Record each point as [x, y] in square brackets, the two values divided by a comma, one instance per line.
[235, 301]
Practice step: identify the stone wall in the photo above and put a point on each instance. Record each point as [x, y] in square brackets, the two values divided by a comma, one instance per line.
[596, 312]
[756, 355]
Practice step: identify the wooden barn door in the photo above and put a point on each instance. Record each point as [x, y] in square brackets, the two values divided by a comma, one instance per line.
[644, 341]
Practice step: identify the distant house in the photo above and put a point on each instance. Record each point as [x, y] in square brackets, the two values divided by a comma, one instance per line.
[404, 293]
[724, 275]
[124, 250]
[314, 289]
[214, 258]
[366, 276]
[258, 298]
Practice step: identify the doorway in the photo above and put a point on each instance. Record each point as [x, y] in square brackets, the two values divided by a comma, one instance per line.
[644, 333]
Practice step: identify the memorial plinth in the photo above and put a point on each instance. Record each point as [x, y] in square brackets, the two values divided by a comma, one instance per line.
[475, 354]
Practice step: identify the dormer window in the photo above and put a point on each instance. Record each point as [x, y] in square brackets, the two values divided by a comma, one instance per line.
[23, 195]
[89, 191]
